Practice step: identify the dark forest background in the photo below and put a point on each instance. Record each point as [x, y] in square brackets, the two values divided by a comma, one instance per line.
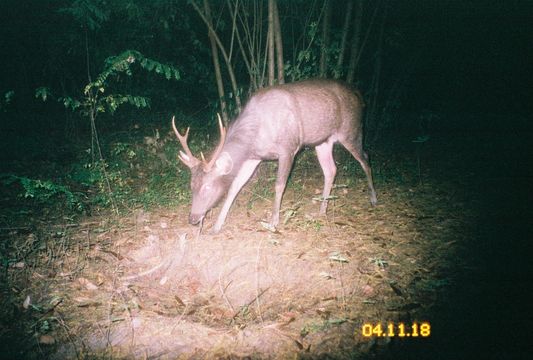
[443, 57]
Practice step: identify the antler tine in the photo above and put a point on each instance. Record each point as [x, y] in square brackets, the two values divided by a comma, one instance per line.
[215, 155]
[187, 158]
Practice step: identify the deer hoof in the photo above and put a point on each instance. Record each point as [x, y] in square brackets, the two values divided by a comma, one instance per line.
[269, 226]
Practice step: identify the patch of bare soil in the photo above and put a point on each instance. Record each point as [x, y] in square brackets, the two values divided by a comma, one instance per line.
[149, 286]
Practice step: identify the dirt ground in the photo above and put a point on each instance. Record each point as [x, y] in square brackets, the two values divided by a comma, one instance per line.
[150, 286]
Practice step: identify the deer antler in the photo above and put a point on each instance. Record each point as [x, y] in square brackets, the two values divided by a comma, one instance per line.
[208, 166]
[186, 157]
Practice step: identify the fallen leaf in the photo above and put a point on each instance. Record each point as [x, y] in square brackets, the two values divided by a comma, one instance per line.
[336, 256]
[269, 227]
[87, 284]
[287, 317]
[87, 302]
[27, 302]
[47, 339]
[325, 275]
[368, 290]
[396, 289]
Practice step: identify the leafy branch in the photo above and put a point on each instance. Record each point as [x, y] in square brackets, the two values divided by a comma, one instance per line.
[96, 100]
[6, 101]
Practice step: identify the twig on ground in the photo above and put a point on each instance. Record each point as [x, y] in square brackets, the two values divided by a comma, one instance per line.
[249, 303]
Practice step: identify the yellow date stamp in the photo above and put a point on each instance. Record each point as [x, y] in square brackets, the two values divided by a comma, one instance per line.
[402, 330]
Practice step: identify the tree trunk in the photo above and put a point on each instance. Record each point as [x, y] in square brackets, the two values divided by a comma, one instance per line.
[216, 62]
[271, 59]
[356, 40]
[325, 39]
[279, 44]
[378, 65]
[247, 62]
[344, 37]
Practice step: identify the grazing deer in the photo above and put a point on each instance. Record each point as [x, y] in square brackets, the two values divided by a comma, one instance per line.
[274, 125]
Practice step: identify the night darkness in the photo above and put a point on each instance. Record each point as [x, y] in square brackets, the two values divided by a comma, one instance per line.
[456, 74]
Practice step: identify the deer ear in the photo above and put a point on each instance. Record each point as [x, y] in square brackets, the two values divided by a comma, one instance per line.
[224, 163]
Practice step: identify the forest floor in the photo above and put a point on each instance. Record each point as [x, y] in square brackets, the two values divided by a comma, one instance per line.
[149, 285]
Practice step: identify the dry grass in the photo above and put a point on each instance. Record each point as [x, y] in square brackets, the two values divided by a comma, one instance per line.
[148, 286]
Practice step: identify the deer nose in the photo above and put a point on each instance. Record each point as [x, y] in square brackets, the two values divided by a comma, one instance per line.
[194, 219]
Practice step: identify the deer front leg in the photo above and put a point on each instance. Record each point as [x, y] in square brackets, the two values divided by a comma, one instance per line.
[242, 177]
[284, 168]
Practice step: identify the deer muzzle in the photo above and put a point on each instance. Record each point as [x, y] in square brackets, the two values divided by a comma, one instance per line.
[194, 219]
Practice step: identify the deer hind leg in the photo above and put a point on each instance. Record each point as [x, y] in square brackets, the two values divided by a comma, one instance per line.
[284, 169]
[355, 147]
[324, 153]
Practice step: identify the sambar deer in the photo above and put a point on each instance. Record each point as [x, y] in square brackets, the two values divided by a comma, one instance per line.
[274, 125]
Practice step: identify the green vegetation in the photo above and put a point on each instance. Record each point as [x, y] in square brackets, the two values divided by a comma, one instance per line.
[43, 192]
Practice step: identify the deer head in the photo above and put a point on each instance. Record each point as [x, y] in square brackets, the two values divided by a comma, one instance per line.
[208, 184]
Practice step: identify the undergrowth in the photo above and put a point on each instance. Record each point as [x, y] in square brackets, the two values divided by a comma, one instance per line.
[142, 172]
